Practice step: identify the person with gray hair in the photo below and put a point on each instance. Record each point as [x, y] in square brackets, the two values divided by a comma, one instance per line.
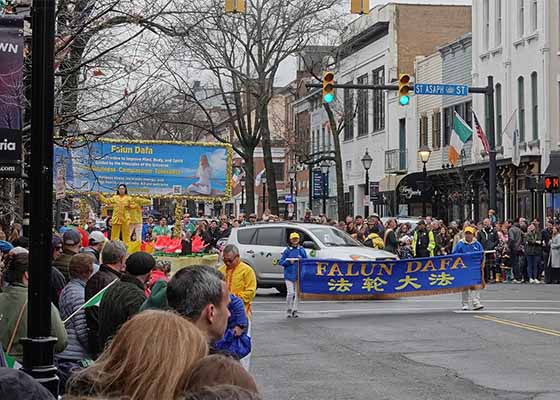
[199, 293]
[113, 257]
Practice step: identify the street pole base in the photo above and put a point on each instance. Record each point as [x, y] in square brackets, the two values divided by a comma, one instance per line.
[38, 361]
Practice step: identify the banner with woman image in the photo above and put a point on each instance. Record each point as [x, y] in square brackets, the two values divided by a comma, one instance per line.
[156, 169]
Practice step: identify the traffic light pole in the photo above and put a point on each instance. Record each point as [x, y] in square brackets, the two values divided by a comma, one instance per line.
[488, 91]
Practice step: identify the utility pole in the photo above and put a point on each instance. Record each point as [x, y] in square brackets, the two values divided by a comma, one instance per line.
[490, 132]
[38, 346]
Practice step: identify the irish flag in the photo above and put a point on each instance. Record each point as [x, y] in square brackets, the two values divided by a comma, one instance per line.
[460, 134]
[93, 302]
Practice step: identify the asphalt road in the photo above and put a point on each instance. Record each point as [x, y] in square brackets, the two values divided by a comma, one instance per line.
[414, 348]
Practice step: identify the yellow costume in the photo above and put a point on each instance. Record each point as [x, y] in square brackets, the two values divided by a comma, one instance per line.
[120, 217]
[135, 213]
[242, 282]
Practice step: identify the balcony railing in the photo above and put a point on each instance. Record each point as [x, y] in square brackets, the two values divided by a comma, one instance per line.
[396, 162]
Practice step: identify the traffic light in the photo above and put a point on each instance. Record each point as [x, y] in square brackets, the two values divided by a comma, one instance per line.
[551, 183]
[359, 6]
[235, 6]
[328, 87]
[404, 89]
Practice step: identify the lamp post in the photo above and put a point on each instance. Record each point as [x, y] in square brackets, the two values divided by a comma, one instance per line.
[324, 171]
[424, 153]
[263, 180]
[366, 162]
[292, 173]
[242, 194]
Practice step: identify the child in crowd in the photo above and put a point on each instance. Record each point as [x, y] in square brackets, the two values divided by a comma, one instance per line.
[293, 251]
[405, 248]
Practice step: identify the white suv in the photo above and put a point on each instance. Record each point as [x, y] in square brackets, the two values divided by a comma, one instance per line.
[261, 246]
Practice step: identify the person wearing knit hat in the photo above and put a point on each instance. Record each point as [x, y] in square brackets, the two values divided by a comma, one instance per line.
[123, 299]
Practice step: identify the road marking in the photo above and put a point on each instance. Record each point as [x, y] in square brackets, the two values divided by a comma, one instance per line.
[527, 310]
[402, 301]
[529, 327]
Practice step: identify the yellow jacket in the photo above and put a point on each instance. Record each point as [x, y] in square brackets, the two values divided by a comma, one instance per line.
[135, 209]
[242, 282]
[120, 205]
[376, 241]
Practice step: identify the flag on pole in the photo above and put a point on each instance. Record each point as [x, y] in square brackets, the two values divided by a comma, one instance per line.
[511, 132]
[481, 135]
[96, 300]
[460, 134]
[258, 178]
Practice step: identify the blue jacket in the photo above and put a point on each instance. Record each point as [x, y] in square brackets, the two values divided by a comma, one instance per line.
[237, 313]
[290, 270]
[72, 298]
[463, 247]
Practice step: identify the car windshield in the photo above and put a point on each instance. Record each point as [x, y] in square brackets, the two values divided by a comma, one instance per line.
[332, 237]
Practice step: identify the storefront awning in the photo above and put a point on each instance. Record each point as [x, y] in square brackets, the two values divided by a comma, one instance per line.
[389, 183]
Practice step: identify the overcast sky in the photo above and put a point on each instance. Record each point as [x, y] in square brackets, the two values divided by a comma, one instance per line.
[287, 71]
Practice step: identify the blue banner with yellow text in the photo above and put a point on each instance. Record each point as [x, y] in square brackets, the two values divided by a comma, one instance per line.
[353, 280]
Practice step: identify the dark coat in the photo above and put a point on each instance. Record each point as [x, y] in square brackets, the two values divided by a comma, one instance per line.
[57, 284]
[98, 281]
[17, 385]
[120, 302]
[62, 263]
[391, 241]
[488, 238]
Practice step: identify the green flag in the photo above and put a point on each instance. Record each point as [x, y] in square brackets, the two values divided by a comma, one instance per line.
[96, 300]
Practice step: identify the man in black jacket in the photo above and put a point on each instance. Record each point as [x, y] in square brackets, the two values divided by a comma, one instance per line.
[113, 256]
[515, 243]
[488, 238]
[124, 299]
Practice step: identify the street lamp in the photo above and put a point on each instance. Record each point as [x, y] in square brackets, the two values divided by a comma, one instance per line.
[292, 173]
[263, 180]
[424, 153]
[242, 181]
[366, 162]
[325, 171]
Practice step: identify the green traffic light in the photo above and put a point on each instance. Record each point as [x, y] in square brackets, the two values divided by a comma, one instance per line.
[404, 100]
[328, 98]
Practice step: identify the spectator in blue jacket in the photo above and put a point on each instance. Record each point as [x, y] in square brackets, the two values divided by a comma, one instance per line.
[294, 250]
[236, 341]
[72, 297]
[469, 245]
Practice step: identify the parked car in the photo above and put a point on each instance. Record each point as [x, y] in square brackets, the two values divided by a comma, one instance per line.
[412, 221]
[261, 246]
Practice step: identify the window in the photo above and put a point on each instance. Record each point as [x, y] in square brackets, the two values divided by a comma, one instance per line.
[270, 237]
[499, 120]
[378, 78]
[323, 139]
[348, 113]
[520, 18]
[498, 32]
[423, 130]
[349, 200]
[448, 125]
[279, 171]
[521, 107]
[535, 106]
[363, 107]
[486, 24]
[246, 236]
[436, 129]
[534, 15]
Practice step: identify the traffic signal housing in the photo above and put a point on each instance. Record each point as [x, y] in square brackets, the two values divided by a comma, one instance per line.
[235, 6]
[359, 6]
[328, 87]
[404, 89]
[551, 184]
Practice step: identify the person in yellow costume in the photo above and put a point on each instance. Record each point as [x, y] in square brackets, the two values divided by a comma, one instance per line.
[121, 215]
[135, 212]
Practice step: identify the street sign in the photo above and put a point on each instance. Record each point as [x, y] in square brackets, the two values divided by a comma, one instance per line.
[551, 183]
[318, 185]
[440, 89]
[288, 199]
[374, 196]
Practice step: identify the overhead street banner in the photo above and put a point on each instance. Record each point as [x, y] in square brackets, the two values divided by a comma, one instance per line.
[156, 169]
[11, 71]
[363, 280]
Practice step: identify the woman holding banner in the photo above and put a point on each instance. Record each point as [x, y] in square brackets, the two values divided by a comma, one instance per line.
[469, 245]
[121, 215]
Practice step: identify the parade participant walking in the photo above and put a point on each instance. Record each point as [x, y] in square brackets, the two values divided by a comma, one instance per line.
[287, 260]
[121, 217]
[14, 309]
[135, 213]
[71, 244]
[124, 299]
[113, 256]
[71, 299]
[423, 241]
[199, 293]
[469, 245]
